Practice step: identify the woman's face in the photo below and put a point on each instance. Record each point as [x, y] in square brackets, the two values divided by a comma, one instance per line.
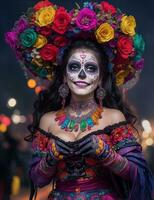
[82, 72]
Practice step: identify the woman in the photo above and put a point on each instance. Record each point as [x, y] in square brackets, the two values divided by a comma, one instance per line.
[83, 133]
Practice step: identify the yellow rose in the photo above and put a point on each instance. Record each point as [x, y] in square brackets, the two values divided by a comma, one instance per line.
[40, 42]
[128, 24]
[104, 33]
[122, 74]
[45, 16]
[120, 77]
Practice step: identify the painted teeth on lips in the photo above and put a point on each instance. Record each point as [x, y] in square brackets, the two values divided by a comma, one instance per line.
[81, 83]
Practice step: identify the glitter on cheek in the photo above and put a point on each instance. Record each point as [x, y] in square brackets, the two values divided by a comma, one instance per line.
[72, 76]
[93, 77]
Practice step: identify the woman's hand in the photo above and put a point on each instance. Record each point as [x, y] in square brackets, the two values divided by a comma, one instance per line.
[58, 151]
[91, 146]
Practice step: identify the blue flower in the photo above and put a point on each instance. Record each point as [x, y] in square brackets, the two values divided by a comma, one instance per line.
[27, 56]
[88, 5]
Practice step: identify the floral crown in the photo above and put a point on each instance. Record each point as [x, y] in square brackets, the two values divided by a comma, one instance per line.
[40, 36]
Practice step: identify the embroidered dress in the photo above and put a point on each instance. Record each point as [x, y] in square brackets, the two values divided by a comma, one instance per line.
[123, 174]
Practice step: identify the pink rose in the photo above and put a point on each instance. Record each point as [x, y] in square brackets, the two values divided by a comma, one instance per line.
[86, 19]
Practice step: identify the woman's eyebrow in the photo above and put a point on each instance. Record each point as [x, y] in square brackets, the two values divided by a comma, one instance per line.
[74, 61]
[74, 58]
[91, 62]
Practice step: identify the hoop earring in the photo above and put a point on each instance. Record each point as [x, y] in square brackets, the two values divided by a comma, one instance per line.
[100, 94]
[63, 92]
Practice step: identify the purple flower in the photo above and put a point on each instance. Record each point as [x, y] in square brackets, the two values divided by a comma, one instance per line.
[112, 43]
[11, 39]
[119, 17]
[18, 55]
[139, 64]
[86, 19]
[21, 25]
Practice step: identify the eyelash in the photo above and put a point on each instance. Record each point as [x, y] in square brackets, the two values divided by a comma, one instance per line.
[91, 68]
[76, 67]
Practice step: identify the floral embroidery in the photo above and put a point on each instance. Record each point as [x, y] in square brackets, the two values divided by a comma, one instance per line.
[121, 133]
[40, 143]
[119, 137]
[90, 195]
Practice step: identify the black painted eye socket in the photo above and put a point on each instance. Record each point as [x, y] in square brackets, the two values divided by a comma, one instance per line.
[74, 67]
[91, 68]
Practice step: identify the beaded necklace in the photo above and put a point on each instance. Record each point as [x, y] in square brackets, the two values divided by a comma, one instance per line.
[85, 122]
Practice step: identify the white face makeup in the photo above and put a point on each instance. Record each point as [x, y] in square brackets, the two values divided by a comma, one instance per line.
[82, 72]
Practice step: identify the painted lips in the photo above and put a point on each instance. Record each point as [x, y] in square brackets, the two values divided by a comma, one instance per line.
[81, 83]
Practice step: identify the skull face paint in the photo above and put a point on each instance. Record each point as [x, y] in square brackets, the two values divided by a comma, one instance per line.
[82, 72]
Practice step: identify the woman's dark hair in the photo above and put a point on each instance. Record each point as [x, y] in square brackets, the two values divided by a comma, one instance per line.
[50, 100]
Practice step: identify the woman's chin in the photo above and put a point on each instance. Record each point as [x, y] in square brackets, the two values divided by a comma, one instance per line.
[82, 92]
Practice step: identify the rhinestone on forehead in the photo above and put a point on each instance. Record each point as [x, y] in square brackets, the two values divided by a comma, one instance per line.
[83, 56]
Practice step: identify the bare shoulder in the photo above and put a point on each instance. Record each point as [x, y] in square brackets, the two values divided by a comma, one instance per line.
[114, 115]
[47, 120]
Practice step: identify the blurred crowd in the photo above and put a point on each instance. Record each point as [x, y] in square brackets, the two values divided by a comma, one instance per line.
[15, 157]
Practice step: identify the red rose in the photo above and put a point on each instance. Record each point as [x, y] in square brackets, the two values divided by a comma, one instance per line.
[120, 62]
[125, 47]
[61, 21]
[49, 52]
[45, 30]
[60, 41]
[42, 4]
[108, 7]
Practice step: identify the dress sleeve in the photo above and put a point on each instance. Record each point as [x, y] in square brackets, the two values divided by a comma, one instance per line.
[41, 173]
[124, 158]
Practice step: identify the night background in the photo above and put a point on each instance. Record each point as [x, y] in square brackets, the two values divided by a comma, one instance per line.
[13, 83]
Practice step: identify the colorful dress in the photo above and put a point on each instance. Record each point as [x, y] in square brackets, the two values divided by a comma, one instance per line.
[122, 175]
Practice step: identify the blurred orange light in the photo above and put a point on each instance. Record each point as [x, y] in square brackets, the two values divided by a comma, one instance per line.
[31, 83]
[38, 89]
[3, 128]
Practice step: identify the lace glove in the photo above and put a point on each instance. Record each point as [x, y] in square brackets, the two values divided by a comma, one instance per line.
[58, 151]
[93, 146]
[96, 147]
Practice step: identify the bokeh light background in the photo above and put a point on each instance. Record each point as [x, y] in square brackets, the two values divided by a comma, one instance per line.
[13, 83]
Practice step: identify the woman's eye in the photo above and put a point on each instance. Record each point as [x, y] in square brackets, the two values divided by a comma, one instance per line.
[91, 68]
[73, 67]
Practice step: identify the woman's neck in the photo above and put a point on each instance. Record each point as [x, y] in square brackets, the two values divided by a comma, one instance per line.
[81, 104]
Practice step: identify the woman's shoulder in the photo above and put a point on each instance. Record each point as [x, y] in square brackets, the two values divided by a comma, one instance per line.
[114, 115]
[47, 120]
